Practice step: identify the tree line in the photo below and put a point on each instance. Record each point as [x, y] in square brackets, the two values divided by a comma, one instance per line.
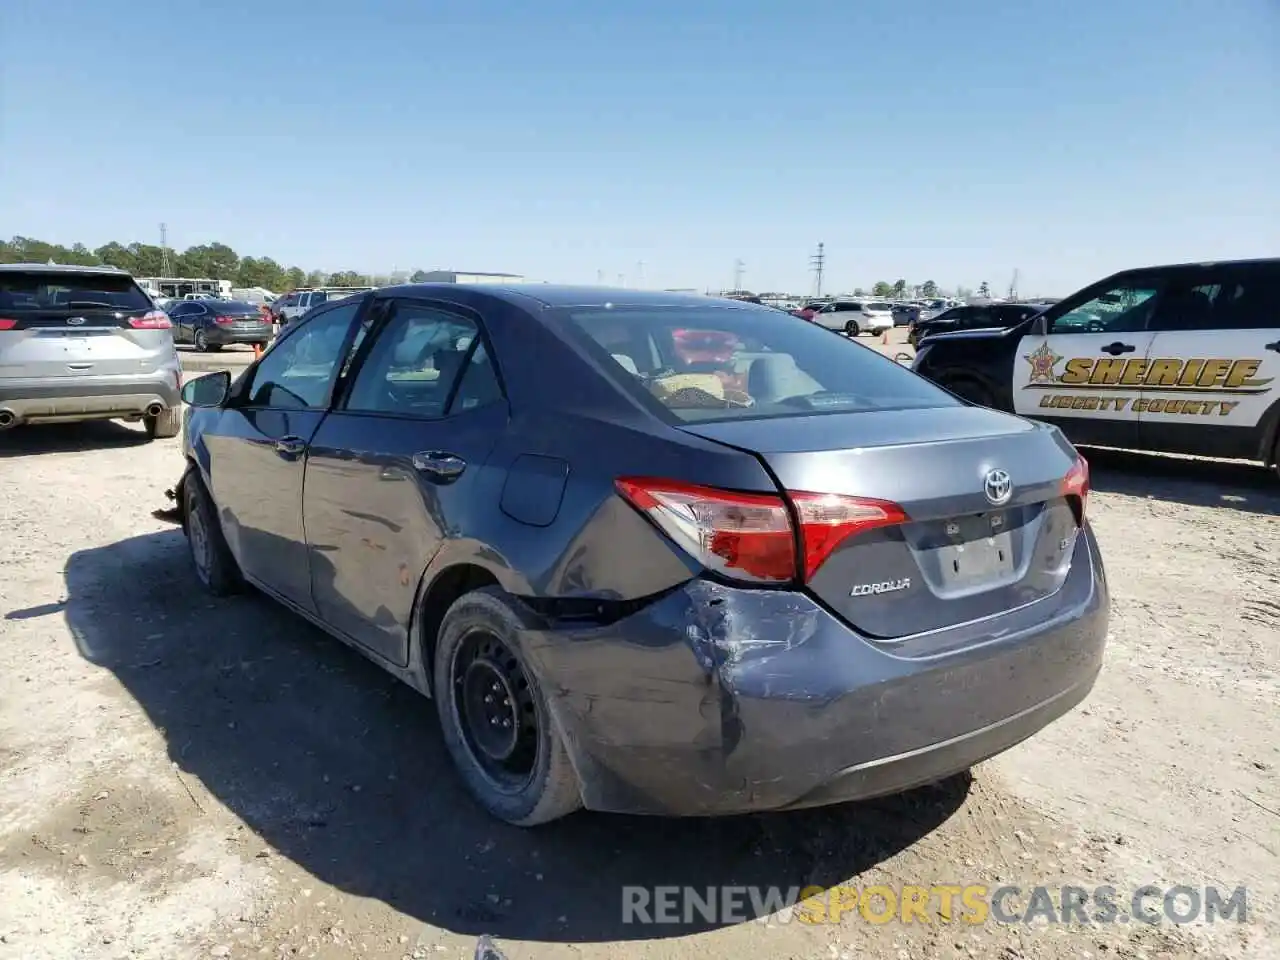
[215, 261]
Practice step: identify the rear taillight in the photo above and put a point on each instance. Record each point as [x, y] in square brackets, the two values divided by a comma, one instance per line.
[224, 321]
[152, 320]
[1076, 485]
[751, 536]
[827, 520]
[747, 536]
[7, 324]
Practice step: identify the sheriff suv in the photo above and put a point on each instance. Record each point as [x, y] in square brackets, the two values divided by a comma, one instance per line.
[84, 343]
[1177, 359]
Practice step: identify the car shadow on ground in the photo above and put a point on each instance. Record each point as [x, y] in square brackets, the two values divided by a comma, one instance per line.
[1234, 484]
[340, 768]
[41, 438]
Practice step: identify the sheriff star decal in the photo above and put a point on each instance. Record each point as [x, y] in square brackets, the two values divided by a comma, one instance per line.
[1043, 360]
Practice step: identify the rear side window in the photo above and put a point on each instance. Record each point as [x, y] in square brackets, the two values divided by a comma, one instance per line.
[1234, 298]
[36, 291]
[709, 363]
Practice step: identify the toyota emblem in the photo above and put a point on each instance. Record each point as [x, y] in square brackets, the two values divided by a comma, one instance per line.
[998, 487]
[75, 321]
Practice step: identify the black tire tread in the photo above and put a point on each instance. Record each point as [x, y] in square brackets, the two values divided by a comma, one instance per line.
[225, 578]
[555, 793]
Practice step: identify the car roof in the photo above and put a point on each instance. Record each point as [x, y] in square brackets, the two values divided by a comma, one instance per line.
[564, 295]
[61, 268]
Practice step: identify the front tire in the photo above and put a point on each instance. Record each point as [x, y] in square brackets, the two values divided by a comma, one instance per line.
[972, 391]
[852, 329]
[494, 717]
[215, 566]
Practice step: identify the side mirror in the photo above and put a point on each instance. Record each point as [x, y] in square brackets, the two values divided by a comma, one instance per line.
[207, 391]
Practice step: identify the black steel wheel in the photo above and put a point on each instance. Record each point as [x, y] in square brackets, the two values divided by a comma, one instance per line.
[496, 722]
[496, 713]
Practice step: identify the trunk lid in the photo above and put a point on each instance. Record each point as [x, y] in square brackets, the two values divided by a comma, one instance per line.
[68, 323]
[959, 557]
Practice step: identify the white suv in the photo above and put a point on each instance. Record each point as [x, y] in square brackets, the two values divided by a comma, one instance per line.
[290, 307]
[856, 316]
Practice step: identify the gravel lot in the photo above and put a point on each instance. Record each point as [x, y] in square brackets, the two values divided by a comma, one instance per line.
[187, 777]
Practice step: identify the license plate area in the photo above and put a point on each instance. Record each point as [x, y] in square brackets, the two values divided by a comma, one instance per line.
[976, 564]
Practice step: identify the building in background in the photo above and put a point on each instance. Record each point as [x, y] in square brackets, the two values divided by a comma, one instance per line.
[464, 276]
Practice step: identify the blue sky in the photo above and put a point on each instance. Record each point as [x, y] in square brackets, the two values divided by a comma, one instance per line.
[927, 140]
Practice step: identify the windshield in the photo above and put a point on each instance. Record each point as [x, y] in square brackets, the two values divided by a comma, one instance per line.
[703, 364]
[33, 290]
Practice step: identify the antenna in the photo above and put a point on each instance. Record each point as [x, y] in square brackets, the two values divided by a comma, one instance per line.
[738, 267]
[816, 263]
[165, 267]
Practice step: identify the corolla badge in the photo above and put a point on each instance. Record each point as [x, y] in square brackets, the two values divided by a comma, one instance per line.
[998, 487]
[886, 586]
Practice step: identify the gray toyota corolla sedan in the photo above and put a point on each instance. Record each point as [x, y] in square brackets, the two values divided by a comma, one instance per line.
[649, 552]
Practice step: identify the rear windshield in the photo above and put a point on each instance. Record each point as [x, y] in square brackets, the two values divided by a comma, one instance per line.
[232, 306]
[60, 291]
[879, 306]
[742, 362]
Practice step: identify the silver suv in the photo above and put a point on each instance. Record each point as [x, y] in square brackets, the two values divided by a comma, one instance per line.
[84, 343]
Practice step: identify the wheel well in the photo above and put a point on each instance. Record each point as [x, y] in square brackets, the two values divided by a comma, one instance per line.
[438, 598]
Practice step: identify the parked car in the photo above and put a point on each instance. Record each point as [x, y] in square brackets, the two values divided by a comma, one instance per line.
[631, 588]
[854, 317]
[214, 324]
[990, 316]
[84, 343]
[290, 307]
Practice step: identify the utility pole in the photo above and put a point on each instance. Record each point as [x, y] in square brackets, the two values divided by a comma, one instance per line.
[816, 264]
[600, 277]
[165, 267]
[640, 274]
[738, 267]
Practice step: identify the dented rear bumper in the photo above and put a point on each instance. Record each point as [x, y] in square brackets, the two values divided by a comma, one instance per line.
[714, 700]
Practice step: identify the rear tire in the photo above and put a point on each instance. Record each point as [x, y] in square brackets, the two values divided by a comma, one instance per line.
[165, 426]
[200, 341]
[480, 681]
[215, 566]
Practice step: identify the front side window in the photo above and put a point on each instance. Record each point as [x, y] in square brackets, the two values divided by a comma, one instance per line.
[298, 372]
[1125, 308]
[705, 363]
[413, 363]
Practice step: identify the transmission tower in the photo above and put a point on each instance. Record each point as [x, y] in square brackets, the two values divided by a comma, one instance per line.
[1013, 285]
[165, 267]
[816, 263]
[738, 267]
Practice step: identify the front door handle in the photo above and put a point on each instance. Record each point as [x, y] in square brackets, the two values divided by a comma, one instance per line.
[1274, 346]
[290, 446]
[1117, 348]
[439, 466]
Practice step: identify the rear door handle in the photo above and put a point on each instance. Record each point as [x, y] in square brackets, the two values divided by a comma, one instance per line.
[439, 466]
[290, 446]
[1117, 348]
[1274, 346]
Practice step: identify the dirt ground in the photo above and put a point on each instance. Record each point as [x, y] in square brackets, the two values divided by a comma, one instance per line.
[184, 777]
